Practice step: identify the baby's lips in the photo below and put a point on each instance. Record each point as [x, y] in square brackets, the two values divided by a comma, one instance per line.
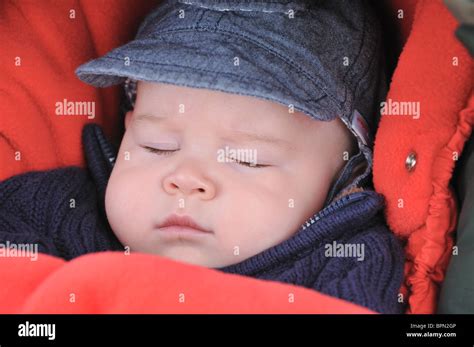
[182, 220]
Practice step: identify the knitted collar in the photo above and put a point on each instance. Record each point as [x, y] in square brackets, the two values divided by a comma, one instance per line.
[345, 215]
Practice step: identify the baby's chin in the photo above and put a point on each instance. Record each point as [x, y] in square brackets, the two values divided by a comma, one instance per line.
[189, 254]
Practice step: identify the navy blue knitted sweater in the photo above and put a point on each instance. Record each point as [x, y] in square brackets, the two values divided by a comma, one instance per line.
[62, 211]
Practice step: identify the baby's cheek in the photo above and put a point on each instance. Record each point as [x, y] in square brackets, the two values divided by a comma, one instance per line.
[253, 220]
[117, 203]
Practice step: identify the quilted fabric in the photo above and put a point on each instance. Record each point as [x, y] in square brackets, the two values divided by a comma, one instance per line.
[42, 45]
[435, 71]
[113, 282]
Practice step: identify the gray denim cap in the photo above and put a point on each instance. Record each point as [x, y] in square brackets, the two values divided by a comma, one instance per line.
[322, 57]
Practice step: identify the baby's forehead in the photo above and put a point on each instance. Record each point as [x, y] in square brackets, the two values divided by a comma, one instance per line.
[225, 107]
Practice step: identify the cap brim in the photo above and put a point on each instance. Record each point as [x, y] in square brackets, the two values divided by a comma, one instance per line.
[212, 61]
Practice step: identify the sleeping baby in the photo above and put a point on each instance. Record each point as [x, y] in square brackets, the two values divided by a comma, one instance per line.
[247, 148]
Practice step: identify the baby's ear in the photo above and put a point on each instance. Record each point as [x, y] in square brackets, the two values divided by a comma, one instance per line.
[128, 119]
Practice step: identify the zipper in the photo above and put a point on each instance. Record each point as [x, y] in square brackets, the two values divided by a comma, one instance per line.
[106, 148]
[344, 201]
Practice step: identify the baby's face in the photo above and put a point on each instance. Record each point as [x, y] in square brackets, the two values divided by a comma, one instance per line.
[178, 157]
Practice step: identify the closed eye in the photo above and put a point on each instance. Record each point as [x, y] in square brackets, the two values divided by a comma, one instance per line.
[252, 165]
[159, 151]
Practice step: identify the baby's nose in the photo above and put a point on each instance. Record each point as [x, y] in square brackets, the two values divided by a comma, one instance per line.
[189, 184]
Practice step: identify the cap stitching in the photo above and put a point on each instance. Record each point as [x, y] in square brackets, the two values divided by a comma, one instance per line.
[277, 54]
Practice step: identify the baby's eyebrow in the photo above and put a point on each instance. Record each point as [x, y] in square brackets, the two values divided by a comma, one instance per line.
[237, 135]
[234, 135]
[150, 117]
